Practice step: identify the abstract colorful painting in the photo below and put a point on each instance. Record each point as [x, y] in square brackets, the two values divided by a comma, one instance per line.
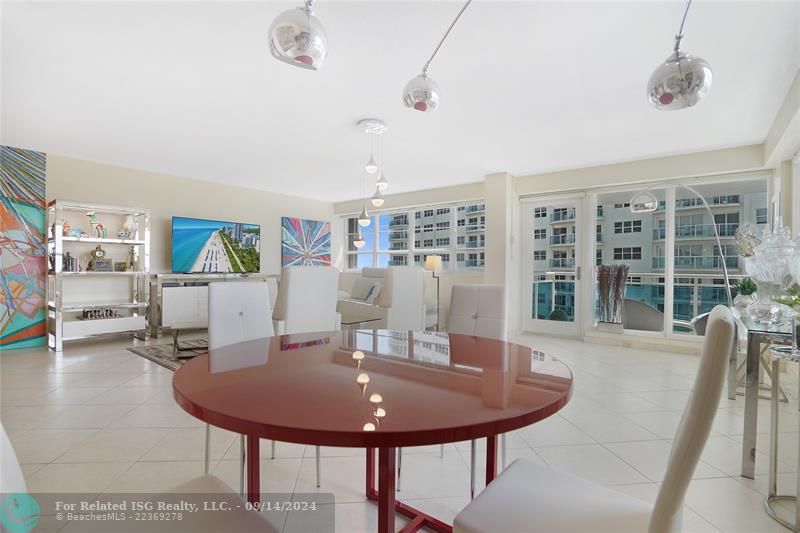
[305, 242]
[23, 264]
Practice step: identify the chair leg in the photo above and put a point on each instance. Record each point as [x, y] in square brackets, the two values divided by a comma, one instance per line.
[472, 468]
[207, 458]
[241, 465]
[272, 451]
[399, 468]
[319, 468]
[503, 452]
[174, 344]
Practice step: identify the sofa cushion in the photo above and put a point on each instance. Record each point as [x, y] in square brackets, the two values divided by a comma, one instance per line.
[361, 288]
[374, 291]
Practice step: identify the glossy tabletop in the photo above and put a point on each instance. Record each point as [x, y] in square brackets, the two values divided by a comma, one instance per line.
[408, 389]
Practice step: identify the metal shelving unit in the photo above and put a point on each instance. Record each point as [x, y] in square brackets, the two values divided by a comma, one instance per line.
[69, 294]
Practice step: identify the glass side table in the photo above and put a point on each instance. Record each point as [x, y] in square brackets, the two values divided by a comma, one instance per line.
[778, 354]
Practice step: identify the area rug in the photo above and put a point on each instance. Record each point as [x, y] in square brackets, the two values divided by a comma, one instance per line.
[161, 354]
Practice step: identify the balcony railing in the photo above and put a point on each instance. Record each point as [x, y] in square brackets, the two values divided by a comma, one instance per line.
[398, 221]
[474, 227]
[565, 262]
[698, 262]
[562, 216]
[691, 231]
[473, 263]
[566, 238]
[471, 244]
[475, 208]
[398, 235]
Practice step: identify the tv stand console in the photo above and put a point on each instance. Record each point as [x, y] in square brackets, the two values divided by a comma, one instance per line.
[181, 300]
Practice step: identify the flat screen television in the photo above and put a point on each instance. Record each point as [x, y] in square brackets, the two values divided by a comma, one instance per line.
[213, 246]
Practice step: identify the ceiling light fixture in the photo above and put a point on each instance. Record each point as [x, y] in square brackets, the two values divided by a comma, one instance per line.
[377, 198]
[682, 79]
[422, 93]
[298, 38]
[382, 184]
[363, 218]
[359, 242]
[371, 166]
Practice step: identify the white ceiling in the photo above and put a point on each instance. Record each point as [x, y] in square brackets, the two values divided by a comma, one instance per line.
[191, 89]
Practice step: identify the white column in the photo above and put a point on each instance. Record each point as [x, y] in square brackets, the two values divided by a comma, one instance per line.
[502, 249]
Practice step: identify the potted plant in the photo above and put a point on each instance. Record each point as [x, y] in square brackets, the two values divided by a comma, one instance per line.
[747, 293]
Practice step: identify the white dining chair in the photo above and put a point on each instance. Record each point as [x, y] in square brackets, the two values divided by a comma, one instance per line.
[306, 303]
[11, 478]
[531, 497]
[306, 300]
[477, 311]
[401, 302]
[238, 312]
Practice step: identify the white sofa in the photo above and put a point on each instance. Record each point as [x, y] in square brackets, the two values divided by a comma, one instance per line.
[399, 305]
[366, 287]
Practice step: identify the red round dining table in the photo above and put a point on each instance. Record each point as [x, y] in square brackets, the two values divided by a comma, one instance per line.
[373, 389]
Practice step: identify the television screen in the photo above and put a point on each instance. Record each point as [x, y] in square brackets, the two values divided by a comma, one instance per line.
[200, 245]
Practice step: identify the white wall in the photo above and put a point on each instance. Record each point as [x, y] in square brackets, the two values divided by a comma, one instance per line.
[165, 196]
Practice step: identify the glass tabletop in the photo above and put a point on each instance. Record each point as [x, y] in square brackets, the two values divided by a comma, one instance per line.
[783, 327]
[371, 388]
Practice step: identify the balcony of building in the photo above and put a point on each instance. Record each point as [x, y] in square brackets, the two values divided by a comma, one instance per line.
[698, 262]
[474, 209]
[473, 228]
[398, 235]
[721, 200]
[565, 215]
[474, 263]
[398, 221]
[564, 239]
[472, 244]
[562, 262]
[698, 231]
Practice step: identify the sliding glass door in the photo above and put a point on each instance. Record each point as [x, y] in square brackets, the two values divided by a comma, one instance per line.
[552, 241]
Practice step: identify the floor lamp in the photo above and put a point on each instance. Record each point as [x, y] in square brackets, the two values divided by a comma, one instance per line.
[433, 264]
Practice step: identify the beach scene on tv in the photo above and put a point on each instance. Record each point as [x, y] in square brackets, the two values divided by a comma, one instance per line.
[200, 245]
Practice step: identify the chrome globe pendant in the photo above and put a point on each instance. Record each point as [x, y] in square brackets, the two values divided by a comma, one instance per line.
[681, 80]
[422, 93]
[298, 38]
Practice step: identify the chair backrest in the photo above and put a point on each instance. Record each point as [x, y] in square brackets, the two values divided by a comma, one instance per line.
[272, 286]
[11, 479]
[695, 426]
[238, 311]
[639, 315]
[307, 297]
[403, 293]
[478, 310]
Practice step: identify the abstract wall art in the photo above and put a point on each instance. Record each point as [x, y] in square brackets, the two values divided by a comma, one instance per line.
[23, 264]
[305, 242]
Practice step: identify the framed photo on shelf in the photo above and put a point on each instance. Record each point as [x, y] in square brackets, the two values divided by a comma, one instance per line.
[120, 266]
[103, 265]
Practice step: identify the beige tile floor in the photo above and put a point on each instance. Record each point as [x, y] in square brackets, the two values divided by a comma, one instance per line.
[98, 418]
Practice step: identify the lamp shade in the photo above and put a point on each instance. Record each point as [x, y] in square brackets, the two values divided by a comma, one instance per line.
[382, 184]
[433, 263]
[298, 38]
[679, 82]
[377, 198]
[422, 94]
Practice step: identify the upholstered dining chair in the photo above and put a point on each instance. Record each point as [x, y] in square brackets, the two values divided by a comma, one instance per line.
[531, 497]
[402, 299]
[238, 312]
[11, 478]
[306, 300]
[478, 311]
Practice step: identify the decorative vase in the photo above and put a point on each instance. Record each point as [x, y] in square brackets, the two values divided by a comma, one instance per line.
[764, 308]
[742, 301]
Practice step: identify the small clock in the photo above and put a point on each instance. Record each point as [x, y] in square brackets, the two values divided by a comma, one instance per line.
[98, 253]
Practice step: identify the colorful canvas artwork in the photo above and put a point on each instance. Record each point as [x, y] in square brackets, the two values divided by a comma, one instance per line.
[305, 242]
[23, 264]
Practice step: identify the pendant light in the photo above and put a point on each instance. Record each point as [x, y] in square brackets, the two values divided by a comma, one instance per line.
[377, 198]
[363, 218]
[382, 184]
[422, 93]
[682, 79]
[298, 38]
[359, 241]
[371, 166]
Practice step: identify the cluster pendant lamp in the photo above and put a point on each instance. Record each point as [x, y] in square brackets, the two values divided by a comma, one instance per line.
[373, 130]
[682, 79]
